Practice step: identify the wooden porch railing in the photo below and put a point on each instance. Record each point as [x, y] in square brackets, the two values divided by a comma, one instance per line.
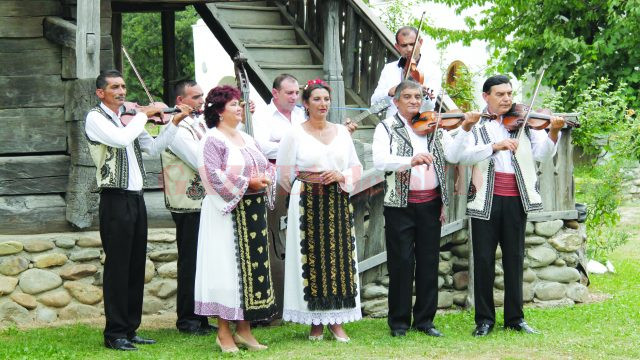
[366, 45]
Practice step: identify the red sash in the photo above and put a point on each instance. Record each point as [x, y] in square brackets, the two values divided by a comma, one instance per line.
[505, 185]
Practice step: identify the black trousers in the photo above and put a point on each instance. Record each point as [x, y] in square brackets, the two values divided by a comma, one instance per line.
[413, 246]
[187, 226]
[123, 231]
[506, 227]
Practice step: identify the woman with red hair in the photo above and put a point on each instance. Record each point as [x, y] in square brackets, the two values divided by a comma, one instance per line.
[318, 165]
[233, 278]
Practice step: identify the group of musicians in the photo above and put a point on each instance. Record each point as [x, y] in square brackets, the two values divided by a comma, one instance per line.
[226, 266]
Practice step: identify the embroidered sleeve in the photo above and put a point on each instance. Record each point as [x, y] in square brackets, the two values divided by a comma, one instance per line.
[224, 180]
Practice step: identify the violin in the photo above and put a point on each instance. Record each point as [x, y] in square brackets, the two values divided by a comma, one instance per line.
[411, 65]
[130, 109]
[538, 120]
[427, 122]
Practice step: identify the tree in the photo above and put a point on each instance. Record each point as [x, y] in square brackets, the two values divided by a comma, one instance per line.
[574, 38]
[142, 37]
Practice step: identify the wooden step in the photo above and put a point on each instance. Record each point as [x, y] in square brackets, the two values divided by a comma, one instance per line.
[265, 34]
[302, 72]
[250, 15]
[276, 54]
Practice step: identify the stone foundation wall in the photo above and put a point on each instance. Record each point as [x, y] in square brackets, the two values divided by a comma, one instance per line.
[553, 250]
[59, 276]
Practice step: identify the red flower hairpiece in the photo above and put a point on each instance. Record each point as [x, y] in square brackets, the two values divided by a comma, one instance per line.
[314, 82]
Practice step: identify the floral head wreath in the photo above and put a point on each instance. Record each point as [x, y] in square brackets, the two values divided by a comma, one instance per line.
[315, 82]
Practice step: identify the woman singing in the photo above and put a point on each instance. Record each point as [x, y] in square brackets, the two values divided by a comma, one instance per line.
[318, 165]
[233, 278]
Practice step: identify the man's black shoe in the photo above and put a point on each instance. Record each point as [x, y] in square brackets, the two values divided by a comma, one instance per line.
[522, 327]
[400, 332]
[120, 344]
[482, 330]
[432, 331]
[142, 341]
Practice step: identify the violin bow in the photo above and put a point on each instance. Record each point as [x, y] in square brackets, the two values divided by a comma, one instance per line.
[135, 71]
[533, 99]
[413, 51]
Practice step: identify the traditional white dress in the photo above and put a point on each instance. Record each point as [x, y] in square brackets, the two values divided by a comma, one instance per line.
[300, 151]
[220, 289]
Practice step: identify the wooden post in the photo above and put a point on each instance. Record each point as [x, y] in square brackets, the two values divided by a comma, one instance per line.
[169, 65]
[116, 36]
[79, 98]
[333, 61]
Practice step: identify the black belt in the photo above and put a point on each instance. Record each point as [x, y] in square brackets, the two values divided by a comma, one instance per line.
[122, 192]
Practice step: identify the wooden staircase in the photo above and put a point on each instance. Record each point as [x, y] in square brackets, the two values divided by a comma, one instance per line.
[271, 43]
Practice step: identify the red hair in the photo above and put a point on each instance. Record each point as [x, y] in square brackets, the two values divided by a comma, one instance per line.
[216, 101]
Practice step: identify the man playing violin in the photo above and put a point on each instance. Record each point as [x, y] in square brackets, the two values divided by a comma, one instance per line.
[183, 192]
[503, 190]
[393, 72]
[415, 192]
[117, 153]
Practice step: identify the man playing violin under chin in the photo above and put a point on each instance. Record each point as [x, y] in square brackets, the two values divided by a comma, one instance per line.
[184, 192]
[116, 151]
[415, 191]
[503, 190]
[393, 73]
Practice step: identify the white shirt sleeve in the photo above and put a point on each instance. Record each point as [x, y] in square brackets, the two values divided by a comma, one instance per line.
[388, 79]
[153, 146]
[381, 151]
[454, 146]
[542, 147]
[185, 147]
[472, 154]
[286, 160]
[108, 133]
[353, 172]
[262, 136]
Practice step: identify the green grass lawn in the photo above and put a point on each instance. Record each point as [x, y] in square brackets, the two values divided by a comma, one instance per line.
[603, 330]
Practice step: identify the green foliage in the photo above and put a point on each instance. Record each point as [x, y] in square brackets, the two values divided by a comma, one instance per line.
[607, 125]
[142, 37]
[462, 90]
[574, 38]
[395, 15]
[600, 187]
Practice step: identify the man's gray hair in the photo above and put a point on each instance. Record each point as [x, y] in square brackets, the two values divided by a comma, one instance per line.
[406, 84]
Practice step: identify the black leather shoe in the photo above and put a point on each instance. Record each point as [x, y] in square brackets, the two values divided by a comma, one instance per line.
[522, 327]
[397, 333]
[432, 331]
[142, 341]
[482, 330]
[120, 344]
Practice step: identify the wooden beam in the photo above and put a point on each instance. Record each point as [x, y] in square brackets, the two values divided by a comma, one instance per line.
[88, 39]
[60, 31]
[169, 64]
[333, 61]
[26, 175]
[116, 37]
[32, 130]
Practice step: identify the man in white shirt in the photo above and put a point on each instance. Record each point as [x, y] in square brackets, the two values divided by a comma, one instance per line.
[392, 73]
[269, 127]
[504, 188]
[116, 151]
[415, 192]
[183, 197]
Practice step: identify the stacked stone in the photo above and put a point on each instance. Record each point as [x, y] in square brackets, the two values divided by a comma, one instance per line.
[631, 183]
[553, 250]
[48, 277]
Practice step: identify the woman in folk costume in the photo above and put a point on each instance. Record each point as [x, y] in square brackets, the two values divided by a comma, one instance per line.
[233, 277]
[318, 165]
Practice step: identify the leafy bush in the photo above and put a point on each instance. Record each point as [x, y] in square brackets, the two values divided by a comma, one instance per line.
[462, 91]
[600, 187]
[607, 127]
